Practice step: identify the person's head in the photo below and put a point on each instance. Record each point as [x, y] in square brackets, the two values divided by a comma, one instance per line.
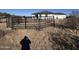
[26, 37]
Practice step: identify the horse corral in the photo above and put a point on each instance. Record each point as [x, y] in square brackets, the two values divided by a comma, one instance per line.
[17, 22]
[43, 39]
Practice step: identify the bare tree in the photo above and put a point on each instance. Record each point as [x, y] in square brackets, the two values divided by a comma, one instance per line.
[73, 21]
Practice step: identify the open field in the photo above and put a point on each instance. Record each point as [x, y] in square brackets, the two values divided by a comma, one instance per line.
[47, 38]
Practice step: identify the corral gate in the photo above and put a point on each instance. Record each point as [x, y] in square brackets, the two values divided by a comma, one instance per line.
[28, 23]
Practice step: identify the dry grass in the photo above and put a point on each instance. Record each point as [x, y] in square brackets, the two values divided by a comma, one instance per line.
[64, 41]
[39, 39]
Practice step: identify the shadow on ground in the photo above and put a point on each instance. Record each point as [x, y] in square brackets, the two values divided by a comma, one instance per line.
[25, 43]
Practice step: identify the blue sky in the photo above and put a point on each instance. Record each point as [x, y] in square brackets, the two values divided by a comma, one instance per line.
[28, 12]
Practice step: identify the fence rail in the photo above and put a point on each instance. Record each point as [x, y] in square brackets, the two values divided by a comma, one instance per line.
[26, 23]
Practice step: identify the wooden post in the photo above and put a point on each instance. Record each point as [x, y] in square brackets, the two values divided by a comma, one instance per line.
[39, 24]
[12, 21]
[7, 22]
[25, 22]
[0, 20]
[53, 21]
[45, 23]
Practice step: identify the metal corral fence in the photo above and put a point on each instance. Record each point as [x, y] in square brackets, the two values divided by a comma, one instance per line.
[16, 22]
[3, 19]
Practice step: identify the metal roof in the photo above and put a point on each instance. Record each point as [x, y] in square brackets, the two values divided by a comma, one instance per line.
[47, 12]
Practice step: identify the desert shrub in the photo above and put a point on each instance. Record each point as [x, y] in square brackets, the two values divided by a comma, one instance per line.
[64, 41]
